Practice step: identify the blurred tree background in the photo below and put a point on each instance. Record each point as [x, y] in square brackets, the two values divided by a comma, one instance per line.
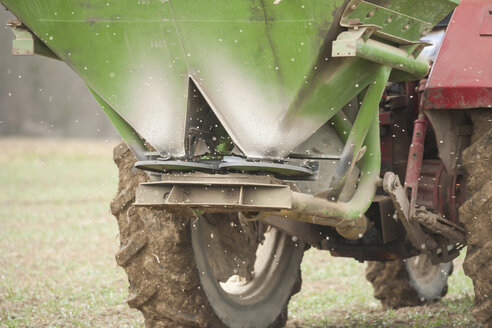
[42, 97]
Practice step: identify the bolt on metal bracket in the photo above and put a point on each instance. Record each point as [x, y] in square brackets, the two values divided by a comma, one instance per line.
[26, 43]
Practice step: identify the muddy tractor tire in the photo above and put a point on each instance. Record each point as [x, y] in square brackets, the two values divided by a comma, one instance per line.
[190, 271]
[412, 282]
[475, 213]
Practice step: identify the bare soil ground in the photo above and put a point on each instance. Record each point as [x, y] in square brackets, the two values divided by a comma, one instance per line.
[58, 239]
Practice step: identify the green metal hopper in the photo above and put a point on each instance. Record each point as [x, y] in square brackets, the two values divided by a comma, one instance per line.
[266, 68]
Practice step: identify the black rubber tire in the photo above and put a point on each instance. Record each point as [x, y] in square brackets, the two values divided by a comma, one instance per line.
[157, 255]
[475, 213]
[397, 285]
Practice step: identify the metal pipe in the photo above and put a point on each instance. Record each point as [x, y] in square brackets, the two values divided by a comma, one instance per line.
[357, 43]
[347, 217]
[415, 157]
[367, 114]
[396, 58]
[342, 125]
[342, 213]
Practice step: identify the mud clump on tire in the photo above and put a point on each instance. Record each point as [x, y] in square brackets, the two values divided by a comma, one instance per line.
[391, 284]
[475, 213]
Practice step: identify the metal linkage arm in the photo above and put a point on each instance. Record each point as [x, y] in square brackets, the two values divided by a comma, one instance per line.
[418, 238]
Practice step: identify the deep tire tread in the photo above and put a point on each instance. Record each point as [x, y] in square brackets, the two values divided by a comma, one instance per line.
[475, 213]
[144, 292]
[131, 248]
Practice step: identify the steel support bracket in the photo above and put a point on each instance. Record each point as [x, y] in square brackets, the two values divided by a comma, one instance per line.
[26, 43]
[397, 21]
[219, 195]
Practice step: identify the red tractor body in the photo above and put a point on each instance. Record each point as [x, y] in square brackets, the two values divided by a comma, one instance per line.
[461, 76]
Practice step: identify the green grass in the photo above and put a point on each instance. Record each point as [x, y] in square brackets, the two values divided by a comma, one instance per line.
[58, 239]
[335, 293]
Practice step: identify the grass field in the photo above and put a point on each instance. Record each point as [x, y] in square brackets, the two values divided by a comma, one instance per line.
[58, 239]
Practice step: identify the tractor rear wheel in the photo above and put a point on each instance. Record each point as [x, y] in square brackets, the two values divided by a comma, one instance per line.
[412, 282]
[475, 213]
[208, 271]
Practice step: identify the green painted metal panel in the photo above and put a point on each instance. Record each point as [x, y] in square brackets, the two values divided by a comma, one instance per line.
[127, 133]
[429, 11]
[401, 21]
